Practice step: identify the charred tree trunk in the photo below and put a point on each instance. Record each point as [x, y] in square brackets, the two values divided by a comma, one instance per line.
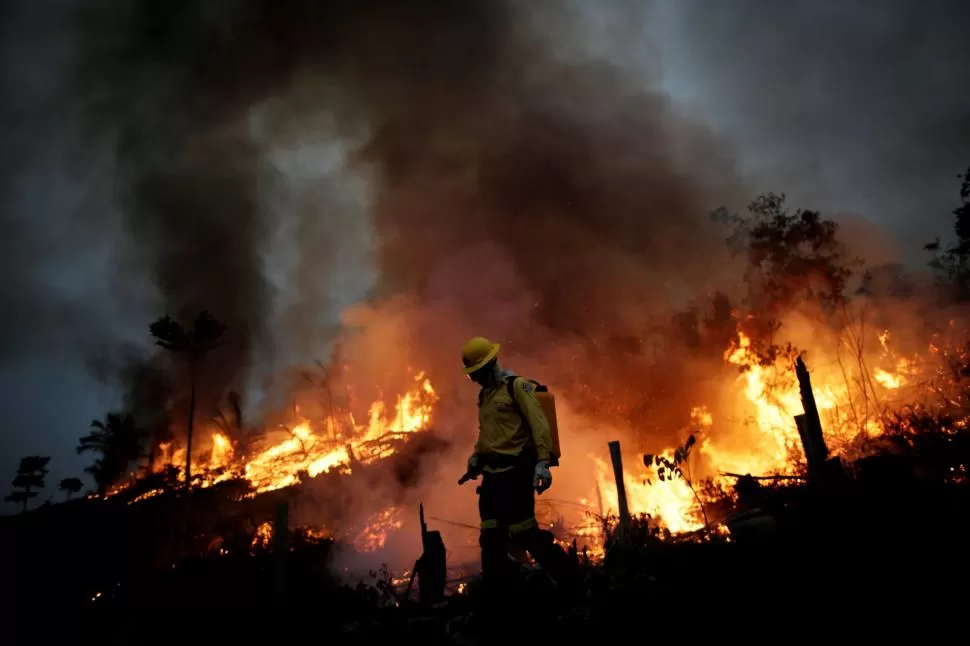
[431, 567]
[810, 425]
[617, 460]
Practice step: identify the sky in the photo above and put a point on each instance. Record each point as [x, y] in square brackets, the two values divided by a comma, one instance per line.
[859, 109]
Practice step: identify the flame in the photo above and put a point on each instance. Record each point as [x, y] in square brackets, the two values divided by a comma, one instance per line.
[374, 536]
[221, 452]
[888, 379]
[263, 535]
[310, 448]
[766, 443]
[312, 452]
[753, 431]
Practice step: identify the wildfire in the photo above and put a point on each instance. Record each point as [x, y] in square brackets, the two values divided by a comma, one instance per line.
[311, 452]
[263, 535]
[752, 431]
[378, 526]
[311, 448]
[766, 441]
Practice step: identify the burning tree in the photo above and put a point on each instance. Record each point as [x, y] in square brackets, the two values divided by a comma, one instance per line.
[193, 343]
[30, 476]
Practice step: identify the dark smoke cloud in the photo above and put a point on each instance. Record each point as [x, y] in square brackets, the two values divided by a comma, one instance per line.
[475, 132]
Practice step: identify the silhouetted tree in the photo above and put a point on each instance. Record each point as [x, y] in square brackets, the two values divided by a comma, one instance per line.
[793, 257]
[952, 265]
[71, 486]
[119, 441]
[193, 343]
[100, 476]
[30, 476]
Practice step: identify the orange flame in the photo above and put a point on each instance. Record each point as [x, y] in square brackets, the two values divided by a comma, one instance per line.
[767, 444]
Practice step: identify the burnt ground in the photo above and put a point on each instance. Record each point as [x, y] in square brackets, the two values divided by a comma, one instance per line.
[881, 549]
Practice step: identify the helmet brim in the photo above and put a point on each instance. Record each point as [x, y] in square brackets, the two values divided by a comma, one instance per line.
[492, 353]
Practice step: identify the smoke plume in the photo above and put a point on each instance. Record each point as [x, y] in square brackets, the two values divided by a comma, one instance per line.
[473, 133]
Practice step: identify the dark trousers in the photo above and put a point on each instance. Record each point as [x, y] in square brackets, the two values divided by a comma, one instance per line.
[506, 505]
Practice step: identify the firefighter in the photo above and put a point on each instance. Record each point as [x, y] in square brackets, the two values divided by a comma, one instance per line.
[512, 456]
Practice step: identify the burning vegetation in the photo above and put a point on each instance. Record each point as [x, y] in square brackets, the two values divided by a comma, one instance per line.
[873, 393]
[712, 397]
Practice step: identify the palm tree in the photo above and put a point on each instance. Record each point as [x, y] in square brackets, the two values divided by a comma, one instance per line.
[193, 343]
[119, 441]
[71, 486]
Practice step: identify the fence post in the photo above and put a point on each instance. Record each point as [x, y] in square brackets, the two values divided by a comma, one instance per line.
[810, 425]
[617, 459]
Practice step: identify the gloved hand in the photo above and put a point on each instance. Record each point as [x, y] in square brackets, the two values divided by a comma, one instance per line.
[474, 466]
[542, 479]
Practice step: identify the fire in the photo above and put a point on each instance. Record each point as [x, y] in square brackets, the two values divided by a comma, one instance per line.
[767, 442]
[311, 447]
[379, 525]
[752, 431]
[263, 535]
[888, 379]
[670, 501]
[314, 452]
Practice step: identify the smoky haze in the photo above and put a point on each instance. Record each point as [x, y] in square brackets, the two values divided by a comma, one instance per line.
[473, 134]
[520, 178]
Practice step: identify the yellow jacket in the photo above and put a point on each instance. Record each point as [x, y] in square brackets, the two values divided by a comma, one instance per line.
[507, 427]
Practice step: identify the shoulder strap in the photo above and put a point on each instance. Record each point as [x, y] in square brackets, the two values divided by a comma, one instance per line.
[510, 386]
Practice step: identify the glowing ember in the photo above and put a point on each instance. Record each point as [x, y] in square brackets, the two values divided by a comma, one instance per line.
[263, 535]
[311, 452]
[148, 494]
[374, 535]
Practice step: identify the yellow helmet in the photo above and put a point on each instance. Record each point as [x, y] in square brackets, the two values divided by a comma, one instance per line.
[478, 352]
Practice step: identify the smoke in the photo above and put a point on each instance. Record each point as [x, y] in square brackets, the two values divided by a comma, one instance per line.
[471, 133]
[457, 167]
